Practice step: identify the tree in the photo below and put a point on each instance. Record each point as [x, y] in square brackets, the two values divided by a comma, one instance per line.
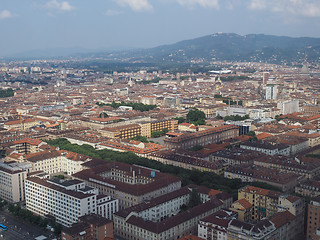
[236, 117]
[180, 119]
[196, 117]
[194, 199]
[103, 115]
[196, 148]
[6, 93]
[251, 134]
[140, 138]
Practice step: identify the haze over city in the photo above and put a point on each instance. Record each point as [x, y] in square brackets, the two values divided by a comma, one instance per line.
[160, 119]
[116, 24]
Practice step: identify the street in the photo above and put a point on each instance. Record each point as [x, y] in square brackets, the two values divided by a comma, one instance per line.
[19, 229]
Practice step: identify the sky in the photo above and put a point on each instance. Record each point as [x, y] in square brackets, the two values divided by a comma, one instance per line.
[112, 24]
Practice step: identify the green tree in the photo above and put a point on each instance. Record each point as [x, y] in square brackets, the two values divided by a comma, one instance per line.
[196, 117]
[180, 119]
[236, 118]
[140, 138]
[6, 93]
[194, 198]
[251, 134]
[103, 115]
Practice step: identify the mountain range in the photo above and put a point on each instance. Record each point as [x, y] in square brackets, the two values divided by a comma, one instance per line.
[217, 47]
[230, 47]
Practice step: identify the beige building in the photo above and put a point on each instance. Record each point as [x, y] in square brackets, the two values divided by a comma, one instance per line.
[267, 203]
[22, 124]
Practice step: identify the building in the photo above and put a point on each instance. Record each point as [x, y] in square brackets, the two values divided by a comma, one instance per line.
[205, 137]
[262, 230]
[131, 184]
[149, 100]
[271, 92]
[310, 188]
[288, 107]
[267, 203]
[22, 124]
[144, 128]
[89, 227]
[57, 161]
[265, 78]
[27, 145]
[66, 201]
[252, 173]
[163, 217]
[12, 181]
[313, 223]
[243, 208]
[267, 148]
[154, 126]
[126, 131]
[244, 126]
[215, 226]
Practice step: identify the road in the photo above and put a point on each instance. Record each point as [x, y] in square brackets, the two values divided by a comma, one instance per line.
[19, 229]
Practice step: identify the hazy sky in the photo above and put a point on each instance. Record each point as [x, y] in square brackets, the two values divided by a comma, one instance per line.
[94, 24]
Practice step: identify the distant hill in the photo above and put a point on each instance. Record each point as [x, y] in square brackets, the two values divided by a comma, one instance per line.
[230, 47]
[219, 46]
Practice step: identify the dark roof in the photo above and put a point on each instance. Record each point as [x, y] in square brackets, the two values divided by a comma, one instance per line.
[159, 181]
[84, 224]
[39, 156]
[158, 227]
[47, 184]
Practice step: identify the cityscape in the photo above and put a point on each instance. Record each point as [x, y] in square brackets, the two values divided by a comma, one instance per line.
[212, 138]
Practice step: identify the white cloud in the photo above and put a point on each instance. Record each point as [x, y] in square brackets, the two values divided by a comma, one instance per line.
[62, 6]
[306, 8]
[136, 5]
[257, 4]
[111, 12]
[202, 3]
[5, 14]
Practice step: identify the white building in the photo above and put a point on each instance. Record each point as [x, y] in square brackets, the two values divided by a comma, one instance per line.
[162, 218]
[12, 178]
[66, 201]
[57, 161]
[271, 92]
[232, 111]
[288, 107]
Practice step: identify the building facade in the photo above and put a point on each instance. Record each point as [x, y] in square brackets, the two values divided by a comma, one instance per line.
[66, 201]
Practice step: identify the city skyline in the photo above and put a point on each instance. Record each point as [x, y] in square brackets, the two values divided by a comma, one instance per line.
[110, 24]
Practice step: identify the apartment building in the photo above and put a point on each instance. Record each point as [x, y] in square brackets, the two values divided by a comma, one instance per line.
[130, 184]
[162, 218]
[252, 173]
[213, 135]
[89, 227]
[188, 162]
[262, 230]
[57, 161]
[267, 148]
[12, 180]
[47, 161]
[267, 203]
[225, 224]
[215, 226]
[22, 124]
[66, 201]
[313, 222]
[125, 131]
[310, 188]
[27, 145]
